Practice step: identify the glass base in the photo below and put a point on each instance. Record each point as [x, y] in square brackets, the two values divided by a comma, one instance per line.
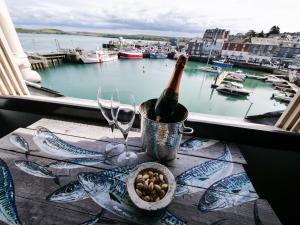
[127, 159]
[114, 149]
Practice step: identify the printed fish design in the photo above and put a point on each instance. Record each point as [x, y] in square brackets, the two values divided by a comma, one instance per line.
[70, 192]
[8, 209]
[20, 143]
[228, 192]
[75, 163]
[111, 194]
[51, 144]
[35, 169]
[196, 143]
[204, 174]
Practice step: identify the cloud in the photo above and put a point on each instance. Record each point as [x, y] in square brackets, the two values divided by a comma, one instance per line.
[160, 17]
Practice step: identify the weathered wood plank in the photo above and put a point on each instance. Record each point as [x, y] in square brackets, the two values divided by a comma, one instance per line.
[102, 133]
[34, 190]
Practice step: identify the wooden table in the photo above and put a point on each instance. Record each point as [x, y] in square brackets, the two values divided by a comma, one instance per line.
[31, 191]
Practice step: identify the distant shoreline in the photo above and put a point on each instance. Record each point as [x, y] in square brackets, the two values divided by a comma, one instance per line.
[94, 34]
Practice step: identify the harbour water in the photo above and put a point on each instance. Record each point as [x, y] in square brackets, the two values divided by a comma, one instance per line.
[146, 78]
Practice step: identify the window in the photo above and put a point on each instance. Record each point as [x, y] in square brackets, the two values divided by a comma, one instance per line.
[80, 35]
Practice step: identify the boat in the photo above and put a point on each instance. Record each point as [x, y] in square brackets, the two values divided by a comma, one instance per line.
[131, 54]
[285, 89]
[274, 79]
[211, 69]
[233, 77]
[98, 56]
[232, 90]
[222, 63]
[283, 96]
[281, 85]
[236, 84]
[158, 55]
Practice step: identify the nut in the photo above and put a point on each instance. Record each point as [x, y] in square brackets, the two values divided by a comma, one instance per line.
[150, 185]
[164, 186]
[139, 193]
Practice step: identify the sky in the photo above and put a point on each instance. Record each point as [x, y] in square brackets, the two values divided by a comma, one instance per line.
[187, 18]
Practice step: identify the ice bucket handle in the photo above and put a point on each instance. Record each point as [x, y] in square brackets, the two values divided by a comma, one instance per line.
[186, 130]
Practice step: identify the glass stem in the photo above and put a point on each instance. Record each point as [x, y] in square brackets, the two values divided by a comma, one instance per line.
[112, 127]
[126, 144]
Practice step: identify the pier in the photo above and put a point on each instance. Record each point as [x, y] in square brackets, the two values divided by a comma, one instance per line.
[219, 79]
[40, 61]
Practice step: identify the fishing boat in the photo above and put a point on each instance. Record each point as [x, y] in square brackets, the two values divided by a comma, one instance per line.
[131, 54]
[283, 96]
[98, 56]
[158, 55]
[222, 63]
[211, 69]
[232, 90]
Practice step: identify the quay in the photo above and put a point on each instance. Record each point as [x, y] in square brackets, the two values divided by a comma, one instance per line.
[41, 61]
[219, 79]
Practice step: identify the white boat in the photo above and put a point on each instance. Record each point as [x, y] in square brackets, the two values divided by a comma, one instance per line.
[98, 56]
[233, 83]
[283, 96]
[273, 79]
[232, 90]
[211, 69]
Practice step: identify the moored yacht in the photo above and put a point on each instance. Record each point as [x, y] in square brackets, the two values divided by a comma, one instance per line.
[232, 89]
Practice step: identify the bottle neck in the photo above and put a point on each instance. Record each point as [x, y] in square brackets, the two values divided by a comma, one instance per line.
[174, 82]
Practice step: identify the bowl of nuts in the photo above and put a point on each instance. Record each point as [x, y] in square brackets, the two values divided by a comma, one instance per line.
[151, 186]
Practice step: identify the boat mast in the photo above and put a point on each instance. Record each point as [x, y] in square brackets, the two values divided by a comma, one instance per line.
[215, 39]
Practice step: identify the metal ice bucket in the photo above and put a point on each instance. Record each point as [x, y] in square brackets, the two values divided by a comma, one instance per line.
[162, 140]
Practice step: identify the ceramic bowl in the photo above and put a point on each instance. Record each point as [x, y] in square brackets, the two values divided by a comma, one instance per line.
[151, 206]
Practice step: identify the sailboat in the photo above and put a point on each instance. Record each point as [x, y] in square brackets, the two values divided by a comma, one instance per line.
[213, 68]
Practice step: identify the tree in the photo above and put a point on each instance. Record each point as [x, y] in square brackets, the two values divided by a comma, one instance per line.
[261, 34]
[251, 33]
[274, 30]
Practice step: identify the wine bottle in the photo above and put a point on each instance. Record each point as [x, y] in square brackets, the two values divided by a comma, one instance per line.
[166, 104]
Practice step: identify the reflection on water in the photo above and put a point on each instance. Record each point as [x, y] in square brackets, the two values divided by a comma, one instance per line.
[146, 78]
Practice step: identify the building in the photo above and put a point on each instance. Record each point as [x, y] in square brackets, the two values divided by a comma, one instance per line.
[288, 53]
[195, 46]
[213, 34]
[213, 47]
[262, 53]
[264, 41]
[235, 51]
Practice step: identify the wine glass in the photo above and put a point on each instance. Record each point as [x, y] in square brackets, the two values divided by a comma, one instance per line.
[124, 117]
[104, 99]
